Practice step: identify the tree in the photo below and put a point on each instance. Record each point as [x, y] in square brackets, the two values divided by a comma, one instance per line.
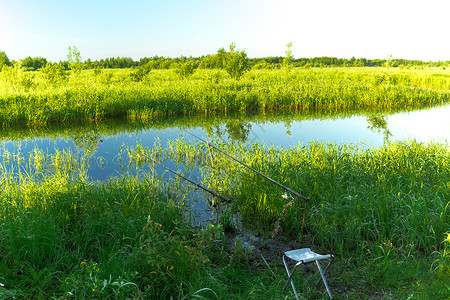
[54, 73]
[236, 62]
[4, 60]
[74, 59]
[287, 61]
[139, 74]
[388, 62]
[74, 56]
[32, 64]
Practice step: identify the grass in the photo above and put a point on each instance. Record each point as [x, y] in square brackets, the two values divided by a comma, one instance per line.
[62, 237]
[384, 212]
[30, 98]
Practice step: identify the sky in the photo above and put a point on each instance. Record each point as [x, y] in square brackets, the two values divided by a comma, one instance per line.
[173, 28]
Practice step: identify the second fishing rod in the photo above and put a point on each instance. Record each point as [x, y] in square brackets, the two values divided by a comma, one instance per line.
[247, 166]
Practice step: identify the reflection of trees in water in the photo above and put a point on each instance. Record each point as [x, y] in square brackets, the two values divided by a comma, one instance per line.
[378, 123]
[87, 142]
[236, 130]
[288, 125]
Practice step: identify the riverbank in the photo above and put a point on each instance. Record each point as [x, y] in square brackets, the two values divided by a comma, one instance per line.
[382, 212]
[34, 98]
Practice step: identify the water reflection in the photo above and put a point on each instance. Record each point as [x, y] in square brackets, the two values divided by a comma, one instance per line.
[235, 130]
[378, 123]
[87, 142]
[102, 141]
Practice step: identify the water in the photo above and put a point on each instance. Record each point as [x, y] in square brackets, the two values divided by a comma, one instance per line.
[423, 126]
[105, 140]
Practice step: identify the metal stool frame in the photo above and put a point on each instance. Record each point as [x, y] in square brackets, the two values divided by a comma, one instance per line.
[303, 256]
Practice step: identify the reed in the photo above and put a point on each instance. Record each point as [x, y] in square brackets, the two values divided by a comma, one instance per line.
[382, 211]
[396, 193]
[382, 208]
[30, 99]
[64, 237]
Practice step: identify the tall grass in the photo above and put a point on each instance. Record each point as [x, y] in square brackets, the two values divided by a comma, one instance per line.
[386, 209]
[64, 237]
[30, 98]
[397, 193]
[383, 212]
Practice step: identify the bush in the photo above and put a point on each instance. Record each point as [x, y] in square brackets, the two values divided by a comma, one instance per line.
[139, 74]
[54, 73]
[186, 69]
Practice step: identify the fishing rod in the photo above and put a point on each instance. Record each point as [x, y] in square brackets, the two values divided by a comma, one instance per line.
[190, 181]
[256, 171]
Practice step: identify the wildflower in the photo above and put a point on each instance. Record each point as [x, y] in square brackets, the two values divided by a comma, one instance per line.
[447, 240]
[284, 196]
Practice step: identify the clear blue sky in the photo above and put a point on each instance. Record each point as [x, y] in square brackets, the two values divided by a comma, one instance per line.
[132, 28]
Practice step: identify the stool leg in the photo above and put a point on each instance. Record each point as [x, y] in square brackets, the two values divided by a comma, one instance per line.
[323, 278]
[290, 276]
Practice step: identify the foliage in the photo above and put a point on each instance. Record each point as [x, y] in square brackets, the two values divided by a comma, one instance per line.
[63, 237]
[4, 60]
[236, 62]
[74, 56]
[383, 212]
[217, 61]
[168, 256]
[47, 96]
[15, 79]
[442, 263]
[87, 283]
[140, 73]
[287, 61]
[74, 59]
[263, 66]
[33, 64]
[186, 69]
[384, 208]
[54, 73]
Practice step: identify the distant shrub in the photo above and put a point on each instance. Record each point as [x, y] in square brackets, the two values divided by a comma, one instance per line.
[186, 69]
[54, 73]
[139, 74]
[263, 66]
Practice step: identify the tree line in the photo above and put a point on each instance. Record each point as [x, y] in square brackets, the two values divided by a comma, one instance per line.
[218, 61]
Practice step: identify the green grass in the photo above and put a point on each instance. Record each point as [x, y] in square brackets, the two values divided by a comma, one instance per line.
[28, 98]
[63, 237]
[384, 212]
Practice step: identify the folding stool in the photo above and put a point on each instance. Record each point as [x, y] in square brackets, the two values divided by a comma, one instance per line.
[303, 256]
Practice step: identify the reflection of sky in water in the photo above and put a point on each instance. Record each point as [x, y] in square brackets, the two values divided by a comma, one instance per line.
[348, 130]
[424, 125]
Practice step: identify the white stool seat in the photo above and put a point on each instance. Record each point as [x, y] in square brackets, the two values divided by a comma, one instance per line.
[305, 255]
